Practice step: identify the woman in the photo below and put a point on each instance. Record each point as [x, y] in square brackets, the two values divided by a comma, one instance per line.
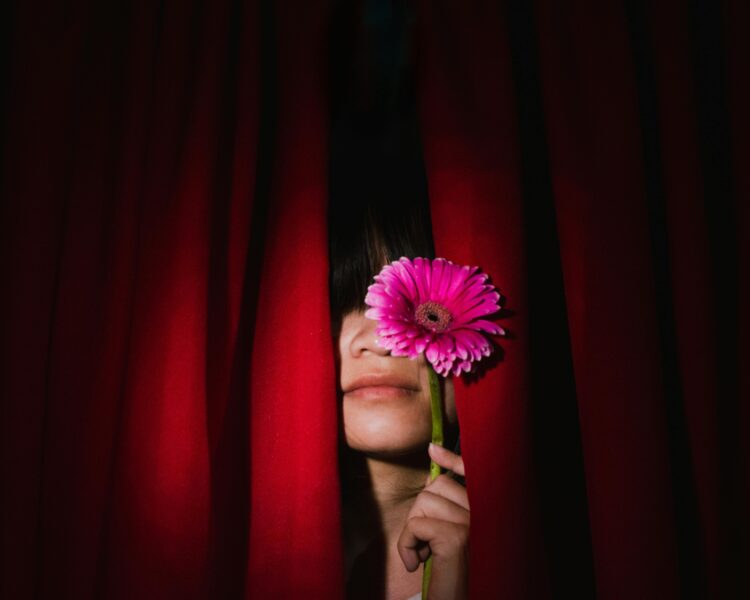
[393, 519]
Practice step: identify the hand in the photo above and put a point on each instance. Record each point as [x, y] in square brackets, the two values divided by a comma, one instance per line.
[438, 524]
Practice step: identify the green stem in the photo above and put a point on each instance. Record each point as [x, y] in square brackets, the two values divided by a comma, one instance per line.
[437, 439]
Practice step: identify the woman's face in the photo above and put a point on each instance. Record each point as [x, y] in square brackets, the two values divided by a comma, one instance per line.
[386, 421]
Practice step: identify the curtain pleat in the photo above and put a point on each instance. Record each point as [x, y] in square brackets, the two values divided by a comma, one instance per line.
[470, 139]
[294, 529]
[599, 185]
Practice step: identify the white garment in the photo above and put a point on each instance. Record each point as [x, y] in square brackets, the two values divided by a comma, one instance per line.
[417, 597]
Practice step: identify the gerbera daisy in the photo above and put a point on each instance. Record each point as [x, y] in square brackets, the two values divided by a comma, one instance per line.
[435, 307]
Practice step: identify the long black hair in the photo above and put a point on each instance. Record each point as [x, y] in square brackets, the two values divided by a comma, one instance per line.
[378, 207]
[365, 236]
[378, 203]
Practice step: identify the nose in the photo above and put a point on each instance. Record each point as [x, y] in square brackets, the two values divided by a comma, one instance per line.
[365, 338]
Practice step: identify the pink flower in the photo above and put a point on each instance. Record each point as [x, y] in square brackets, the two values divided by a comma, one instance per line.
[435, 307]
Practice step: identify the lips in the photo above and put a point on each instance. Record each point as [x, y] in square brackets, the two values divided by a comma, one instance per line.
[382, 382]
[379, 392]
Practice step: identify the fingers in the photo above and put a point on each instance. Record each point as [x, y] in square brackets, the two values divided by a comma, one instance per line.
[447, 459]
[446, 540]
[437, 523]
[437, 506]
[448, 488]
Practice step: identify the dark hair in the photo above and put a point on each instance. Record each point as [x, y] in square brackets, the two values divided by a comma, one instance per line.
[378, 206]
[365, 237]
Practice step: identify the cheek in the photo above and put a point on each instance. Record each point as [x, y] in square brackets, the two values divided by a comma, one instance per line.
[450, 402]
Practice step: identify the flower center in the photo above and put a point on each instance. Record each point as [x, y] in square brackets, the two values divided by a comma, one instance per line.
[433, 316]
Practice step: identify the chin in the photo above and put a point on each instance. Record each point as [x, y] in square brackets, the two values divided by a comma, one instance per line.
[394, 450]
[386, 448]
[386, 434]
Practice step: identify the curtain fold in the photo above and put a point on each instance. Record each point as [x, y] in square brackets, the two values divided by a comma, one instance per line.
[295, 528]
[652, 243]
[470, 138]
[600, 193]
[168, 424]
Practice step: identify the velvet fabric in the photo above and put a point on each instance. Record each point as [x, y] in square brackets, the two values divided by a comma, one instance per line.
[169, 426]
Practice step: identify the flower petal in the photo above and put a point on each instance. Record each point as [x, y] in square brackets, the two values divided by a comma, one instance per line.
[438, 268]
[432, 352]
[461, 350]
[418, 273]
[425, 269]
[484, 325]
[459, 276]
[406, 277]
[472, 290]
[448, 275]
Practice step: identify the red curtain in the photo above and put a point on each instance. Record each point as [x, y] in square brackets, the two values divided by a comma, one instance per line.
[168, 424]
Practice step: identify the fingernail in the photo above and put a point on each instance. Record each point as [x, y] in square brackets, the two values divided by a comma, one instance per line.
[433, 447]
